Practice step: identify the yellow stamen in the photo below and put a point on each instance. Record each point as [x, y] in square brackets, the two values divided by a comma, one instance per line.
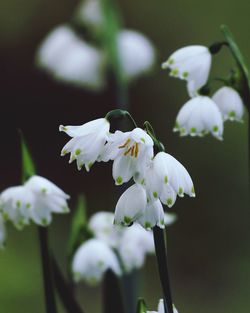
[136, 150]
[125, 144]
[133, 151]
[128, 151]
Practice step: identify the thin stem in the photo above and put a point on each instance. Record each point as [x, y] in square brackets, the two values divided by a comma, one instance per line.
[160, 250]
[47, 273]
[130, 287]
[65, 291]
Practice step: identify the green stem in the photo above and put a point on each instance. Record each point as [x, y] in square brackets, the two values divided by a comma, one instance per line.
[65, 291]
[47, 273]
[160, 250]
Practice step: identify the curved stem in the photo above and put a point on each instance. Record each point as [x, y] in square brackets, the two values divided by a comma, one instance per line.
[47, 273]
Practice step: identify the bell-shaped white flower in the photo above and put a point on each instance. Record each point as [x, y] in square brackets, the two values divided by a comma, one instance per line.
[102, 226]
[87, 142]
[153, 215]
[137, 53]
[16, 205]
[47, 199]
[161, 308]
[70, 59]
[89, 13]
[131, 205]
[136, 243]
[2, 232]
[229, 103]
[92, 259]
[199, 116]
[191, 63]
[169, 218]
[130, 151]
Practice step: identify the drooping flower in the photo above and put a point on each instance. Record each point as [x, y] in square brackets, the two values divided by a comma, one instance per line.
[16, 204]
[191, 63]
[131, 205]
[153, 215]
[2, 232]
[47, 199]
[87, 142]
[199, 116]
[92, 259]
[137, 54]
[102, 226]
[136, 243]
[161, 308]
[130, 151]
[229, 103]
[70, 59]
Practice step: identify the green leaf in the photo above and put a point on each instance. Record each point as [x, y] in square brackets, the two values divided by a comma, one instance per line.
[235, 50]
[79, 230]
[141, 306]
[28, 167]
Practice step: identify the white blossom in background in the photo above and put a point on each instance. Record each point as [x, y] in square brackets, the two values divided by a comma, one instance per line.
[137, 54]
[92, 259]
[89, 13]
[199, 116]
[2, 232]
[130, 152]
[47, 199]
[161, 308]
[87, 142]
[191, 63]
[131, 205]
[102, 226]
[136, 243]
[16, 203]
[229, 103]
[69, 58]
[169, 218]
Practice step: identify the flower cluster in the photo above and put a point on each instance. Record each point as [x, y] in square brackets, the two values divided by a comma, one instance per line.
[35, 201]
[68, 57]
[158, 178]
[112, 247]
[161, 308]
[202, 114]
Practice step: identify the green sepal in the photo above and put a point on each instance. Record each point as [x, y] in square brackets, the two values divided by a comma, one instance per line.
[28, 167]
[141, 306]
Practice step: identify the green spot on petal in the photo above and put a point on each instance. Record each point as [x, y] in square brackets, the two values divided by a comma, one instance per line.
[180, 192]
[119, 180]
[170, 61]
[162, 222]
[215, 129]
[174, 72]
[127, 219]
[43, 190]
[44, 222]
[18, 204]
[28, 205]
[185, 74]
[155, 194]
[143, 140]
[193, 130]
[193, 190]
[90, 165]
[147, 225]
[232, 114]
[169, 201]
[78, 151]
[165, 179]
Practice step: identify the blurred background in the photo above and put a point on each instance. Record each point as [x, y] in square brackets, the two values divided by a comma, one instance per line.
[208, 248]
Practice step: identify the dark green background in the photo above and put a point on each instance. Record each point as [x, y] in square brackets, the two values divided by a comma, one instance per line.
[209, 253]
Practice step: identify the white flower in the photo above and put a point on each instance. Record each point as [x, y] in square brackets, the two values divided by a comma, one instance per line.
[169, 218]
[137, 54]
[165, 178]
[2, 232]
[229, 103]
[199, 116]
[16, 204]
[130, 151]
[89, 13]
[131, 205]
[136, 243]
[47, 199]
[92, 259]
[87, 142]
[191, 63]
[153, 215]
[70, 59]
[161, 308]
[102, 226]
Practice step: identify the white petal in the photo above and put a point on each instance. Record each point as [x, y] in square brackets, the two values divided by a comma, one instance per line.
[131, 205]
[169, 218]
[152, 216]
[168, 195]
[90, 13]
[137, 53]
[123, 169]
[229, 103]
[92, 259]
[140, 136]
